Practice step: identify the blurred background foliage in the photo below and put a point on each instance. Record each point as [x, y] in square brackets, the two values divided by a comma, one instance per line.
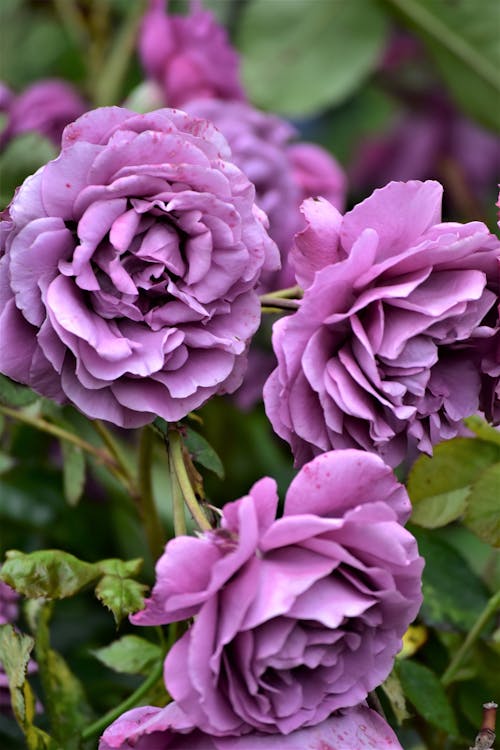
[395, 89]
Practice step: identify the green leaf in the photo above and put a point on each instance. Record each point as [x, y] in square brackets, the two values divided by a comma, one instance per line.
[13, 394]
[202, 452]
[439, 485]
[453, 595]
[122, 596]
[6, 462]
[483, 506]
[482, 429]
[394, 691]
[302, 56]
[161, 426]
[21, 158]
[51, 574]
[120, 568]
[464, 42]
[130, 655]
[73, 472]
[425, 692]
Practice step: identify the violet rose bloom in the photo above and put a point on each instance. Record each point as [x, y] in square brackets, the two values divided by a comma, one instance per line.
[128, 268]
[381, 352]
[151, 728]
[293, 618]
[189, 56]
[46, 107]
[283, 173]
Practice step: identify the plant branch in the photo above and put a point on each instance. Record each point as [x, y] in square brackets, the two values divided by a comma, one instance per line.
[98, 726]
[145, 500]
[291, 292]
[177, 502]
[114, 449]
[176, 456]
[491, 608]
[267, 301]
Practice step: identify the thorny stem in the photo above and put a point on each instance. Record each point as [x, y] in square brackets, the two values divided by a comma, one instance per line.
[455, 664]
[486, 735]
[98, 726]
[175, 449]
[146, 501]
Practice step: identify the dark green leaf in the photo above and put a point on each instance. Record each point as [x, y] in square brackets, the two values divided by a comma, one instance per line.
[302, 56]
[122, 596]
[453, 594]
[73, 472]
[202, 452]
[130, 655]
[425, 692]
[439, 485]
[52, 574]
[13, 394]
[161, 426]
[464, 41]
[394, 691]
[6, 462]
[483, 506]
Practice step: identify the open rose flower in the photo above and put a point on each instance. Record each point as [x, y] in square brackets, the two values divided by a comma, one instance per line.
[293, 618]
[382, 353]
[46, 107]
[284, 173]
[188, 56]
[128, 267]
[150, 728]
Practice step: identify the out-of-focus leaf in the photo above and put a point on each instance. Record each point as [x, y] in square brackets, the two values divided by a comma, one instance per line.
[130, 655]
[302, 56]
[453, 594]
[53, 574]
[21, 158]
[11, 393]
[73, 472]
[393, 689]
[161, 426]
[463, 40]
[6, 462]
[413, 640]
[439, 485]
[122, 596]
[483, 506]
[202, 452]
[423, 689]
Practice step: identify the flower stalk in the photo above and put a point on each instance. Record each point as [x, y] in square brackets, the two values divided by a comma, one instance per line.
[177, 463]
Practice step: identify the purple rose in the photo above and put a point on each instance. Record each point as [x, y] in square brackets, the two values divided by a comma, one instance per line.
[381, 353]
[283, 173]
[189, 56]
[293, 618]
[128, 268]
[150, 728]
[46, 107]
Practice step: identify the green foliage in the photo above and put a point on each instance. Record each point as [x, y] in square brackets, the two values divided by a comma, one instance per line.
[483, 506]
[11, 393]
[202, 452]
[73, 472]
[122, 596]
[464, 42]
[302, 56]
[22, 157]
[130, 654]
[423, 689]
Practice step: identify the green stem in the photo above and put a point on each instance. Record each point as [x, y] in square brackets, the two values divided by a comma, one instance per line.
[73, 22]
[146, 501]
[100, 725]
[446, 37]
[279, 303]
[292, 292]
[491, 608]
[69, 437]
[114, 449]
[109, 84]
[177, 503]
[177, 462]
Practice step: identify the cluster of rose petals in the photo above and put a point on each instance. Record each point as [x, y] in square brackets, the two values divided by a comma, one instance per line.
[293, 618]
[381, 354]
[45, 107]
[284, 173]
[151, 728]
[128, 268]
[189, 56]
